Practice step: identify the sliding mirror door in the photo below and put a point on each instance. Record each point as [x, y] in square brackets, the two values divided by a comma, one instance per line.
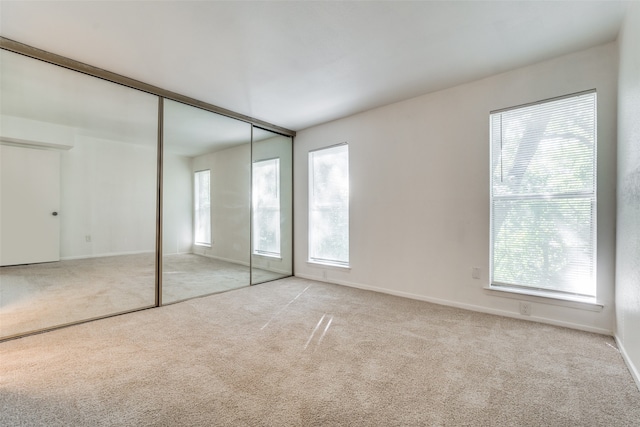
[77, 199]
[206, 203]
[272, 219]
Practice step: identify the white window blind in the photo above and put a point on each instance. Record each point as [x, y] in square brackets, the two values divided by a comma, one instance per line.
[266, 207]
[329, 205]
[543, 207]
[202, 207]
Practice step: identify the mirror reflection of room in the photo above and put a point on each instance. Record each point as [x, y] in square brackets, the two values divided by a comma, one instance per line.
[78, 205]
[272, 222]
[79, 199]
[206, 203]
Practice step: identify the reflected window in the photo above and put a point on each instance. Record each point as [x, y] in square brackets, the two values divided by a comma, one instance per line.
[543, 199]
[202, 208]
[329, 206]
[266, 207]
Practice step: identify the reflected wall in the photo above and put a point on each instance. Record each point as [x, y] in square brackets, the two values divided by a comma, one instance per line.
[104, 137]
[272, 211]
[206, 202]
[95, 220]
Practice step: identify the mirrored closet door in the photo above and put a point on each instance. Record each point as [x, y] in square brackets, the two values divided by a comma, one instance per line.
[206, 203]
[272, 211]
[114, 199]
[78, 181]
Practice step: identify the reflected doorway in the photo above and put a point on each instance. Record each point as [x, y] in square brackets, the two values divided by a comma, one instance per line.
[93, 151]
[30, 189]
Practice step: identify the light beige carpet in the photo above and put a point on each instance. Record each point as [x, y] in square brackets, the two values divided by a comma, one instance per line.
[39, 296]
[299, 353]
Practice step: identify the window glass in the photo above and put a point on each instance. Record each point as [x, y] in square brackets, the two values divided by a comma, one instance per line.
[544, 196]
[266, 207]
[202, 208]
[329, 205]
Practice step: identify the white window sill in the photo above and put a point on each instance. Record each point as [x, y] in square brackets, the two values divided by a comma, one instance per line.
[328, 265]
[552, 298]
[261, 255]
[203, 245]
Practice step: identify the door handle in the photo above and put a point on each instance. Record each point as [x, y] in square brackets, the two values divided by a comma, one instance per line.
[54, 213]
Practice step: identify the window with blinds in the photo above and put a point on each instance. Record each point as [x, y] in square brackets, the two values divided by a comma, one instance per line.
[202, 208]
[266, 207]
[329, 206]
[543, 196]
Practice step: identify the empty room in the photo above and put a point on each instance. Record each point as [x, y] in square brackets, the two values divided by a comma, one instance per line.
[310, 213]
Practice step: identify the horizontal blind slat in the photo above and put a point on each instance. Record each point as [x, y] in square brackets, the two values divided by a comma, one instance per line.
[540, 153]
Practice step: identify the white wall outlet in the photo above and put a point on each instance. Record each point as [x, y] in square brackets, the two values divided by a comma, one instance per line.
[525, 308]
[324, 274]
[475, 272]
[87, 238]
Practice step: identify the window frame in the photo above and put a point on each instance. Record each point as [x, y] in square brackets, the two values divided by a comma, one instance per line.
[197, 208]
[277, 207]
[312, 207]
[591, 196]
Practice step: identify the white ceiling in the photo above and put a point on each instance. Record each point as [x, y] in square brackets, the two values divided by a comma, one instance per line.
[300, 63]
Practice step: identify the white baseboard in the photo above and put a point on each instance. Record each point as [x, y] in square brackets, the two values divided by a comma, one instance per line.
[464, 306]
[273, 270]
[627, 360]
[177, 253]
[103, 255]
[219, 258]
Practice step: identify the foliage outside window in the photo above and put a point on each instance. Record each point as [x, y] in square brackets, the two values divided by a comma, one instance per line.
[329, 205]
[266, 207]
[543, 198]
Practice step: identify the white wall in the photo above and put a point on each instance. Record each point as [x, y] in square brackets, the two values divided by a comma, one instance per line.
[230, 203]
[628, 238]
[420, 189]
[177, 210]
[108, 192]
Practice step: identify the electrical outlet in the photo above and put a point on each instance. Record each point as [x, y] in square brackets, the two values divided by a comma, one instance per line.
[324, 274]
[475, 272]
[525, 308]
[87, 238]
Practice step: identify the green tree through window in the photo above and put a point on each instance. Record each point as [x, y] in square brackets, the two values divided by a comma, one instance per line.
[544, 195]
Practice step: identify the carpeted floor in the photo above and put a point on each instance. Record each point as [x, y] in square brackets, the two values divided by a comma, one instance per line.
[300, 353]
[45, 295]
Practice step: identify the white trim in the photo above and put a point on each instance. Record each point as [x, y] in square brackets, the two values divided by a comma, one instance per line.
[229, 260]
[544, 101]
[103, 255]
[267, 256]
[627, 360]
[455, 304]
[552, 298]
[23, 143]
[271, 270]
[328, 264]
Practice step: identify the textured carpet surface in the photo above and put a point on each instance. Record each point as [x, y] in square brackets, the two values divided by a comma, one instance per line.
[300, 353]
[39, 296]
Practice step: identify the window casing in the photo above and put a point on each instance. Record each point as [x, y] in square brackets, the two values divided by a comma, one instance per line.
[543, 197]
[202, 208]
[329, 206]
[266, 208]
